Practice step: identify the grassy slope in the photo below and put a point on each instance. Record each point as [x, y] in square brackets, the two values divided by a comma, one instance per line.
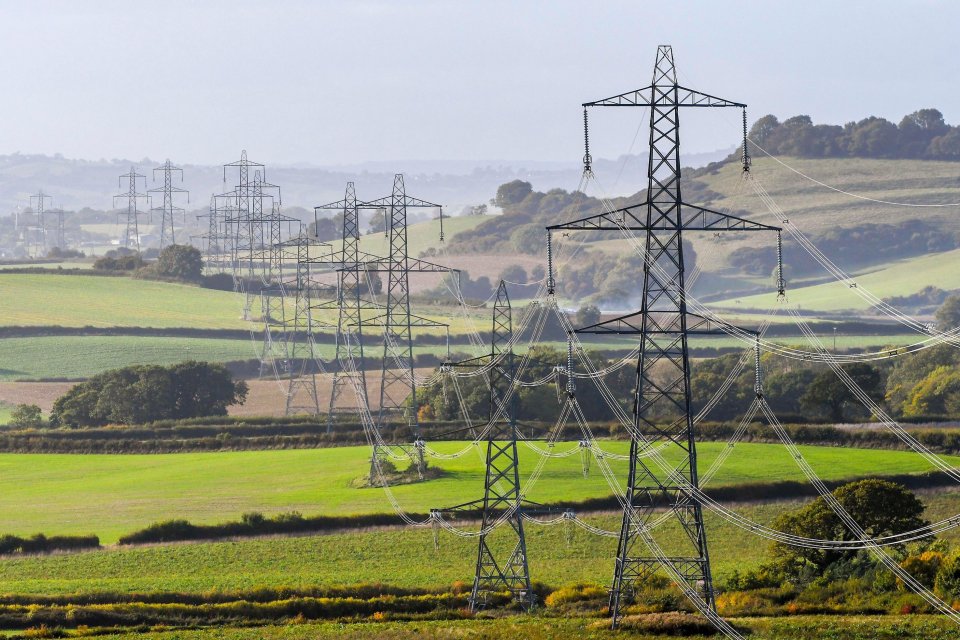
[114, 494]
[401, 556]
[422, 235]
[814, 210]
[896, 279]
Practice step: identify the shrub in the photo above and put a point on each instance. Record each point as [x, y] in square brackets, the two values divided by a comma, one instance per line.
[25, 416]
[575, 593]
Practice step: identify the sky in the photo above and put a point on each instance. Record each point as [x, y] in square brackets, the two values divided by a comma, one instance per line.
[339, 83]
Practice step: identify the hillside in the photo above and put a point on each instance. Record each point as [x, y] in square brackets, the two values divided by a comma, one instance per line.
[859, 235]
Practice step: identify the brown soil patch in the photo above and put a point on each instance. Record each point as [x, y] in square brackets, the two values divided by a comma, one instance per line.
[42, 394]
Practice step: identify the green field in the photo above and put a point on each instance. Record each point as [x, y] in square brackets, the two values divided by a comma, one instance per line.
[560, 554]
[78, 301]
[83, 356]
[422, 235]
[111, 495]
[535, 627]
[900, 278]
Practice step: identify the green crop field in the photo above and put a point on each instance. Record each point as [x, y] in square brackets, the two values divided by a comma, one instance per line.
[111, 495]
[83, 356]
[559, 554]
[537, 627]
[422, 235]
[78, 301]
[900, 278]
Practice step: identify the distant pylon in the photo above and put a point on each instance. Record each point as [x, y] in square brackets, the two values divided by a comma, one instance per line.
[167, 209]
[38, 234]
[131, 234]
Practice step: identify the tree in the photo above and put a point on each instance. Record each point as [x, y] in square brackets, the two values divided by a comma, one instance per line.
[588, 315]
[180, 261]
[512, 193]
[134, 395]
[26, 416]
[828, 397]
[880, 507]
[938, 394]
[948, 315]
[326, 228]
[514, 273]
[378, 222]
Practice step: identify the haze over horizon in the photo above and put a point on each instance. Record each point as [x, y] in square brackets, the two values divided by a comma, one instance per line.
[347, 83]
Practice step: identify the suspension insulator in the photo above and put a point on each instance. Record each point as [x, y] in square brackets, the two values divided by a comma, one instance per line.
[745, 157]
[587, 160]
[551, 285]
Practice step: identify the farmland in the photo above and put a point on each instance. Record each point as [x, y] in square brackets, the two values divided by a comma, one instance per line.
[111, 495]
[74, 357]
[561, 554]
[900, 278]
[81, 301]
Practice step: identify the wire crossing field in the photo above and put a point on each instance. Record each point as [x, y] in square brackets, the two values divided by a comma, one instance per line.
[111, 495]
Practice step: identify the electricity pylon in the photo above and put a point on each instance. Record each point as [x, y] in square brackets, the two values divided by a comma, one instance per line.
[661, 413]
[496, 571]
[37, 234]
[398, 390]
[167, 209]
[348, 360]
[132, 233]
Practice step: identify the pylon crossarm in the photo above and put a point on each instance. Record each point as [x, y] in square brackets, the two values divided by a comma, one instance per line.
[386, 201]
[684, 98]
[692, 218]
[415, 321]
[632, 323]
[376, 263]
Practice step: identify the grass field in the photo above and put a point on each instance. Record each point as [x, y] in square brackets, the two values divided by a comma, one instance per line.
[422, 235]
[900, 278]
[111, 495]
[78, 301]
[83, 356]
[916, 627]
[559, 555]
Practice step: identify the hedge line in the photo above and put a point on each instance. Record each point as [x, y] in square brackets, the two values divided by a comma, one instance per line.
[256, 524]
[39, 543]
[232, 434]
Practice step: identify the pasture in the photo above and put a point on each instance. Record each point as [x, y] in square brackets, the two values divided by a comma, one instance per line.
[111, 495]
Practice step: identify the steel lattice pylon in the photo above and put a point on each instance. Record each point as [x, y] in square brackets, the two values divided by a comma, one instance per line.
[349, 335]
[496, 571]
[397, 388]
[37, 234]
[132, 233]
[167, 209]
[661, 412]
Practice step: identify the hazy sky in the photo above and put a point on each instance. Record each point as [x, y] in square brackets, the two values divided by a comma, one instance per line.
[344, 82]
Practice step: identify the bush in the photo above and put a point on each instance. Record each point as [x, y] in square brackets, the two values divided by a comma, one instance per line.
[26, 416]
[578, 592]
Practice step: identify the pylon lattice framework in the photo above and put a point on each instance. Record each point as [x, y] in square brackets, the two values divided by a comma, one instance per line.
[167, 208]
[131, 234]
[661, 411]
[495, 571]
[37, 234]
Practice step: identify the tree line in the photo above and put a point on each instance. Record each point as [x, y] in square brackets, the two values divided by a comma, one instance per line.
[922, 135]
